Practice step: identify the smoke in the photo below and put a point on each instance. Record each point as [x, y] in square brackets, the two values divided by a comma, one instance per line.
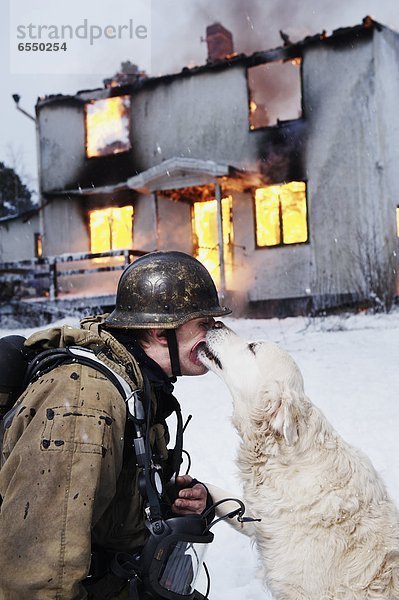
[178, 25]
[255, 25]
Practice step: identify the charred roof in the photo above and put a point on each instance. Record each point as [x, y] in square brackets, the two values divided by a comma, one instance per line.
[341, 36]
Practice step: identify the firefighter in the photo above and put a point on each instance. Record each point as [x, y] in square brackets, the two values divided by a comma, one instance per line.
[72, 495]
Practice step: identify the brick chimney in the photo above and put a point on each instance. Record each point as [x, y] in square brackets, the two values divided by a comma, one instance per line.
[219, 41]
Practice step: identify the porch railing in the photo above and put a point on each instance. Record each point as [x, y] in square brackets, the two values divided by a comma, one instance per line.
[48, 267]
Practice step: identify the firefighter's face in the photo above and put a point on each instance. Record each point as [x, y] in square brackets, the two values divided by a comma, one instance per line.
[188, 338]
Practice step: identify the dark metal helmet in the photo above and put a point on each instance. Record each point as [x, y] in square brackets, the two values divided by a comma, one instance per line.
[164, 289]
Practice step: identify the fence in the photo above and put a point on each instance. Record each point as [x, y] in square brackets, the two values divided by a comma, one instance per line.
[47, 268]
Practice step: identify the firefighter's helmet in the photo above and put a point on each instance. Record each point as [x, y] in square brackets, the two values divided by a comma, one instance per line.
[164, 290]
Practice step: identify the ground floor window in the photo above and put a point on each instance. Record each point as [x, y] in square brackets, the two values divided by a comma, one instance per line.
[205, 235]
[281, 214]
[111, 228]
[38, 245]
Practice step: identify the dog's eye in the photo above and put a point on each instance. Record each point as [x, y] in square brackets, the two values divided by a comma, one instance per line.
[252, 347]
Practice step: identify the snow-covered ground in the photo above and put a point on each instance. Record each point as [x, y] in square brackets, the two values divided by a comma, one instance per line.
[350, 366]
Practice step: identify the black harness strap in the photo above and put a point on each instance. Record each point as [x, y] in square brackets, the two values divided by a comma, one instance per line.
[177, 452]
[153, 500]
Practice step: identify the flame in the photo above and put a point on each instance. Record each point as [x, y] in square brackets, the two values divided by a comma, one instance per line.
[38, 245]
[281, 214]
[253, 115]
[107, 126]
[205, 233]
[111, 228]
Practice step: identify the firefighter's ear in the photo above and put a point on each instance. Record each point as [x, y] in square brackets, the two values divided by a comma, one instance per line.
[157, 336]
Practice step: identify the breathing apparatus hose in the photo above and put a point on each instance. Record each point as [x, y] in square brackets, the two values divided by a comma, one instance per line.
[152, 490]
[177, 539]
[239, 513]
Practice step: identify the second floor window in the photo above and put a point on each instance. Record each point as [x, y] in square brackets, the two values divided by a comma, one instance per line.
[107, 126]
[274, 93]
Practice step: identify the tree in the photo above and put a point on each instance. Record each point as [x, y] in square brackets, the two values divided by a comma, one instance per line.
[15, 197]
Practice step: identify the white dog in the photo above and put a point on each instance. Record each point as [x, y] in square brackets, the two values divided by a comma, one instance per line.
[328, 530]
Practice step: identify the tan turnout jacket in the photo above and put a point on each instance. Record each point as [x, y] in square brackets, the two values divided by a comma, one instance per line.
[64, 479]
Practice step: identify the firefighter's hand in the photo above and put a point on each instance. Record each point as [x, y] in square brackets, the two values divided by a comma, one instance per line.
[190, 499]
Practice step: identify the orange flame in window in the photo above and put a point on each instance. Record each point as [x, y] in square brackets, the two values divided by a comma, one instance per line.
[281, 214]
[111, 228]
[205, 233]
[107, 126]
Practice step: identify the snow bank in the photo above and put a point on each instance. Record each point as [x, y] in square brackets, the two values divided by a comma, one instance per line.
[350, 367]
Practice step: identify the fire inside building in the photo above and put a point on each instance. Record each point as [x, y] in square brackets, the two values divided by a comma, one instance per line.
[277, 170]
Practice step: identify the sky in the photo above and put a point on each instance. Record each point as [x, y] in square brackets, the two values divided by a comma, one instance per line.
[350, 369]
[174, 29]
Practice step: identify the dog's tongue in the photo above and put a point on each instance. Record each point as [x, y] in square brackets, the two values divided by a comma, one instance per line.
[194, 352]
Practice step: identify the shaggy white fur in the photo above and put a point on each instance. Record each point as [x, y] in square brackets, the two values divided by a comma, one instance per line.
[329, 531]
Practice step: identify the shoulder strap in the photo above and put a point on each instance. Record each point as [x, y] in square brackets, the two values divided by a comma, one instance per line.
[50, 359]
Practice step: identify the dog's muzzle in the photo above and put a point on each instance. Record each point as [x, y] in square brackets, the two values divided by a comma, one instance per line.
[205, 354]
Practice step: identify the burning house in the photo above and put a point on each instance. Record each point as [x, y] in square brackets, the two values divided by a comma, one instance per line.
[277, 170]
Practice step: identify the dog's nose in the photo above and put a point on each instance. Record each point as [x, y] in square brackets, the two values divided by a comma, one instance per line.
[218, 325]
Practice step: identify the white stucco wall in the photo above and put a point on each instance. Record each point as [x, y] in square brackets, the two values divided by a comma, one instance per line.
[62, 144]
[203, 116]
[174, 225]
[144, 224]
[348, 105]
[387, 94]
[65, 227]
[17, 239]
[266, 273]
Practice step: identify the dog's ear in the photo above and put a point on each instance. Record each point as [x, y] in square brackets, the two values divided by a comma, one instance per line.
[280, 412]
[284, 420]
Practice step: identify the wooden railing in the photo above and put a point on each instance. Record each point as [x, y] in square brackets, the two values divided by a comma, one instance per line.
[48, 267]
